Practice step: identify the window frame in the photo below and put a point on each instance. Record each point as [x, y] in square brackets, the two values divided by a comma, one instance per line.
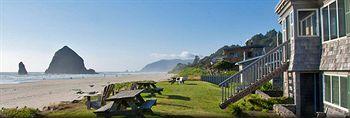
[328, 17]
[291, 24]
[317, 22]
[331, 93]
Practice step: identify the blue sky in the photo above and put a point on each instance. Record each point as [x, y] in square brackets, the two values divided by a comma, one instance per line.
[117, 35]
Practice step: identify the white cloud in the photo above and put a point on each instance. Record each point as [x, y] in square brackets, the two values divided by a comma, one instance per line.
[182, 55]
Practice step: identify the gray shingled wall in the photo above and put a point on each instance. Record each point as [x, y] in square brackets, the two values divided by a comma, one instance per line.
[336, 55]
[305, 54]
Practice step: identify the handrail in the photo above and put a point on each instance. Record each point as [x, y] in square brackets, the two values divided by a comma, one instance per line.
[256, 61]
[251, 75]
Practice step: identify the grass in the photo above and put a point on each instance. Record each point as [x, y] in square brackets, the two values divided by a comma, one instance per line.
[192, 99]
[77, 110]
[19, 113]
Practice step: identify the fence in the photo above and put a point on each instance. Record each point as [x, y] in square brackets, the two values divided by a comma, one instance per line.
[214, 79]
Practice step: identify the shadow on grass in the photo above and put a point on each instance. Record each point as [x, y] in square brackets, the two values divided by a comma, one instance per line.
[190, 84]
[176, 105]
[178, 97]
[164, 115]
[150, 96]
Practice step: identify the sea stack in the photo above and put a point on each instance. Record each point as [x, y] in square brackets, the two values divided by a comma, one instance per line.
[22, 69]
[66, 61]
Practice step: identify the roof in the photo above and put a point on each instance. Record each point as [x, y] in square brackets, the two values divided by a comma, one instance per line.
[280, 5]
[245, 47]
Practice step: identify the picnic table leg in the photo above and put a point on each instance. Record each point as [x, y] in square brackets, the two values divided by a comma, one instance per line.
[88, 102]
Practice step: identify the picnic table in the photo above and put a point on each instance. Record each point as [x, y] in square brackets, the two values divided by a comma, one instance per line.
[148, 86]
[88, 96]
[127, 103]
[101, 97]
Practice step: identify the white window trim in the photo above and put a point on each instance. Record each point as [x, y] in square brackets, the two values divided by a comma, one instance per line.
[336, 106]
[291, 28]
[331, 93]
[317, 23]
[328, 17]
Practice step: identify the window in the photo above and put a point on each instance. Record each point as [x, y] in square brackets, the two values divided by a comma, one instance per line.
[287, 28]
[347, 16]
[344, 92]
[335, 20]
[327, 84]
[337, 90]
[341, 16]
[291, 19]
[325, 24]
[307, 21]
[284, 32]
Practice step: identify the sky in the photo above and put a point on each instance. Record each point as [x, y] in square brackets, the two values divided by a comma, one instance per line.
[119, 35]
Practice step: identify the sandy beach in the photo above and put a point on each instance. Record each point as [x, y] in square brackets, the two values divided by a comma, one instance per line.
[46, 92]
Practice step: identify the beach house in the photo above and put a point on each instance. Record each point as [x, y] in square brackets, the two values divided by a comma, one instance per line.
[236, 54]
[314, 59]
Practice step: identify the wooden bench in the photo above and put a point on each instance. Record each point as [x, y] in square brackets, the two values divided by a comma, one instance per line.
[107, 91]
[104, 110]
[148, 105]
[126, 103]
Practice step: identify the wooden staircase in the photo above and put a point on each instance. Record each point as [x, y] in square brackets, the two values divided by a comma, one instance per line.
[256, 74]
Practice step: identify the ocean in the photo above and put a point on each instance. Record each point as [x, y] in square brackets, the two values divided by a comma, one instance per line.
[14, 78]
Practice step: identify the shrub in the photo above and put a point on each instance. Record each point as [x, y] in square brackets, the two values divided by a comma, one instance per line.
[227, 73]
[224, 65]
[192, 71]
[19, 113]
[266, 87]
[255, 102]
[236, 110]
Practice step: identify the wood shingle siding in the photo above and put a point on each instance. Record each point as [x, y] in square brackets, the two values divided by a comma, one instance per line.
[336, 55]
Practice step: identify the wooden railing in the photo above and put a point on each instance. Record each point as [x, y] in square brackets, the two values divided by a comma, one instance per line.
[251, 74]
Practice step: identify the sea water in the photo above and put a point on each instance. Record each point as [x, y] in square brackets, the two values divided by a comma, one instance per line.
[14, 78]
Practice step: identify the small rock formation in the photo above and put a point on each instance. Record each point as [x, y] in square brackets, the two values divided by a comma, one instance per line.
[66, 61]
[22, 69]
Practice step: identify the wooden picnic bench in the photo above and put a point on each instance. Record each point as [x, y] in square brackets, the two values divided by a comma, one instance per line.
[127, 103]
[101, 100]
[148, 86]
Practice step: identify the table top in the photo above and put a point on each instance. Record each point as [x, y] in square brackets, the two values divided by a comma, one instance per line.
[125, 94]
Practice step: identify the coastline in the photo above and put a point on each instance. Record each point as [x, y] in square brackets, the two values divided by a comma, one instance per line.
[47, 92]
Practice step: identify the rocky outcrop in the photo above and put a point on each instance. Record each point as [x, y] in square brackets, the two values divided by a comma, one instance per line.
[66, 61]
[22, 69]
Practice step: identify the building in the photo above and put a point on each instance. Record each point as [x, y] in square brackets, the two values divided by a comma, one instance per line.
[237, 54]
[318, 31]
[314, 59]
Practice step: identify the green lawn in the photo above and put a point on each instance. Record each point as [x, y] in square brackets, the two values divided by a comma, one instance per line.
[192, 99]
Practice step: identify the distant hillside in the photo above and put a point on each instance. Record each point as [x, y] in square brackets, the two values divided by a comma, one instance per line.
[268, 39]
[164, 65]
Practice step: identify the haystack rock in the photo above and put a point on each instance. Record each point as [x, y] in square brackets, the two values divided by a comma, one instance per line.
[22, 69]
[66, 61]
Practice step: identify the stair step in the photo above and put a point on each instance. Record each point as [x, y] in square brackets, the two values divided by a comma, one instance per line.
[252, 87]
